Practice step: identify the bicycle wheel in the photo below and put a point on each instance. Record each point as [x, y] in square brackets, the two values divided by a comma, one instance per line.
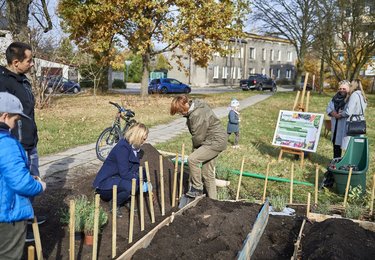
[106, 141]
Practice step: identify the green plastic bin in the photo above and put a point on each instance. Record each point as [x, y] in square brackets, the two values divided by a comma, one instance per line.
[356, 154]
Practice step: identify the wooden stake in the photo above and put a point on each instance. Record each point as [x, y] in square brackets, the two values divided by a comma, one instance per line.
[38, 243]
[175, 182]
[96, 228]
[291, 185]
[372, 195]
[182, 169]
[308, 205]
[240, 179]
[72, 210]
[265, 183]
[347, 186]
[30, 253]
[162, 185]
[131, 221]
[150, 194]
[114, 221]
[296, 101]
[307, 101]
[141, 208]
[316, 184]
[304, 89]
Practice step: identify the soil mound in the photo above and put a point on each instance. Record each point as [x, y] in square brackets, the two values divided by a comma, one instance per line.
[210, 230]
[337, 239]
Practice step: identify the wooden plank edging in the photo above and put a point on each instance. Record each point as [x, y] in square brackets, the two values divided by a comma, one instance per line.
[298, 242]
[253, 237]
[146, 240]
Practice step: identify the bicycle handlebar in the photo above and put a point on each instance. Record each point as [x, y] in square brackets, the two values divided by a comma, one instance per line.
[128, 112]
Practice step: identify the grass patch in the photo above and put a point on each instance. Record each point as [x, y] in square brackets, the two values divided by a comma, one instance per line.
[256, 132]
[74, 120]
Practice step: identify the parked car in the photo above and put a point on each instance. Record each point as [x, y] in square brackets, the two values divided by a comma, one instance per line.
[167, 85]
[62, 85]
[259, 82]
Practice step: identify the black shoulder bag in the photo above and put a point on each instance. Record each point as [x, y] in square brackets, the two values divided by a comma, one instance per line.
[357, 126]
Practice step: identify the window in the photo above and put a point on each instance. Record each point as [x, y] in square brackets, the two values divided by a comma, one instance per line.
[252, 53]
[263, 71]
[271, 55]
[225, 72]
[240, 54]
[216, 72]
[175, 81]
[233, 73]
[278, 73]
[289, 56]
[264, 52]
[252, 71]
[271, 73]
[279, 55]
[239, 73]
[288, 74]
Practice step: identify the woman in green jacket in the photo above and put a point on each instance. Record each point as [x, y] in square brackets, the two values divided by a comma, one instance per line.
[209, 139]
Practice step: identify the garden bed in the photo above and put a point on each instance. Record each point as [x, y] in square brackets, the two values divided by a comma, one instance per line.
[210, 230]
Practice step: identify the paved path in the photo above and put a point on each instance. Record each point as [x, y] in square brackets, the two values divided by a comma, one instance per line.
[85, 155]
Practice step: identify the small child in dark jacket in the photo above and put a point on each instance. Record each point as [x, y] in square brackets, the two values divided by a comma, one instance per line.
[234, 122]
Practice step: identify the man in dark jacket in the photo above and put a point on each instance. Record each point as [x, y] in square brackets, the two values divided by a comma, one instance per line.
[209, 140]
[14, 81]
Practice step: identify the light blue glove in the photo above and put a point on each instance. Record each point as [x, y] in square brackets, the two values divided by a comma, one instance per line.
[145, 187]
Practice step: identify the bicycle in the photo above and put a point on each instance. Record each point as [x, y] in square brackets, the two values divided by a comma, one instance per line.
[112, 135]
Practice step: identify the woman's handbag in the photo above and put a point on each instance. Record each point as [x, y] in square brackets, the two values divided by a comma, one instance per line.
[357, 126]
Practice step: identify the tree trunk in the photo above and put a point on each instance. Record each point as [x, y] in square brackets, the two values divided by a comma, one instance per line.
[18, 16]
[321, 78]
[145, 74]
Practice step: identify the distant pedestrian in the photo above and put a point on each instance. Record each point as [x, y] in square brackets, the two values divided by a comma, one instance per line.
[16, 183]
[334, 109]
[209, 140]
[234, 122]
[13, 80]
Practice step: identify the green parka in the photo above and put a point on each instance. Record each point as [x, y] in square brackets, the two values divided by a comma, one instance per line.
[205, 127]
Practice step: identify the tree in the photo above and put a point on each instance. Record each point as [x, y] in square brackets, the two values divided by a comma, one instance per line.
[291, 19]
[198, 27]
[346, 36]
[18, 14]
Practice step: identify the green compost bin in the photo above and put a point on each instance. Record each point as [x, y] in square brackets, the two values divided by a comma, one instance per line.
[356, 154]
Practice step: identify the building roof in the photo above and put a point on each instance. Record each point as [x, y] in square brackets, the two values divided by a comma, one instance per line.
[267, 38]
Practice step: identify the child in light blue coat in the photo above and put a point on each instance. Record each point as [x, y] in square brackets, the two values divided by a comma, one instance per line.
[234, 122]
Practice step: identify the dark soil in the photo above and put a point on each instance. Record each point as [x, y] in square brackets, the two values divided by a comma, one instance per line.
[337, 239]
[211, 230]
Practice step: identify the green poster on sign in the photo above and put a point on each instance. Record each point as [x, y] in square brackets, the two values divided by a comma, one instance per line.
[298, 130]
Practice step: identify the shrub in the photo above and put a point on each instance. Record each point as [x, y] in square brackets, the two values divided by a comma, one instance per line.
[283, 81]
[80, 207]
[89, 218]
[323, 208]
[278, 202]
[353, 211]
[118, 83]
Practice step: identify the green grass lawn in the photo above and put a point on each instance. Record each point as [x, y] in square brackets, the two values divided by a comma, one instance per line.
[256, 132]
[74, 120]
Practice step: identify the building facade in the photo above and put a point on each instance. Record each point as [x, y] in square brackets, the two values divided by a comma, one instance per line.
[271, 56]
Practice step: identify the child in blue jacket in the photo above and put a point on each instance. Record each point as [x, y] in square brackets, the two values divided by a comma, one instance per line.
[16, 183]
[234, 122]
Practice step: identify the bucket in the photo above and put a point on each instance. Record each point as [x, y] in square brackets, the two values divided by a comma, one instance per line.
[341, 180]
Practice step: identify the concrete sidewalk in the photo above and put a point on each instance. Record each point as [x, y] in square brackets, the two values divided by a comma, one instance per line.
[85, 155]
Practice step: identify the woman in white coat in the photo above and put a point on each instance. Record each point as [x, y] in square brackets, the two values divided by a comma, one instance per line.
[355, 105]
[338, 123]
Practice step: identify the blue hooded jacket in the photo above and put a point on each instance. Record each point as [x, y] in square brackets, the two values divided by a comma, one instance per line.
[16, 183]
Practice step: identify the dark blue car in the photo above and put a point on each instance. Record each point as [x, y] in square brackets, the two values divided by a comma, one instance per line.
[167, 85]
[62, 85]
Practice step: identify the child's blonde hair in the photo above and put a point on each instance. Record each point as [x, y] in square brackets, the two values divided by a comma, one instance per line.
[136, 134]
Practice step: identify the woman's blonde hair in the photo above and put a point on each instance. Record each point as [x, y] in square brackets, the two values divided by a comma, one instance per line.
[357, 85]
[136, 134]
[178, 104]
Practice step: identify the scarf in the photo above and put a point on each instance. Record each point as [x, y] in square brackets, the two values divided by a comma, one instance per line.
[338, 101]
